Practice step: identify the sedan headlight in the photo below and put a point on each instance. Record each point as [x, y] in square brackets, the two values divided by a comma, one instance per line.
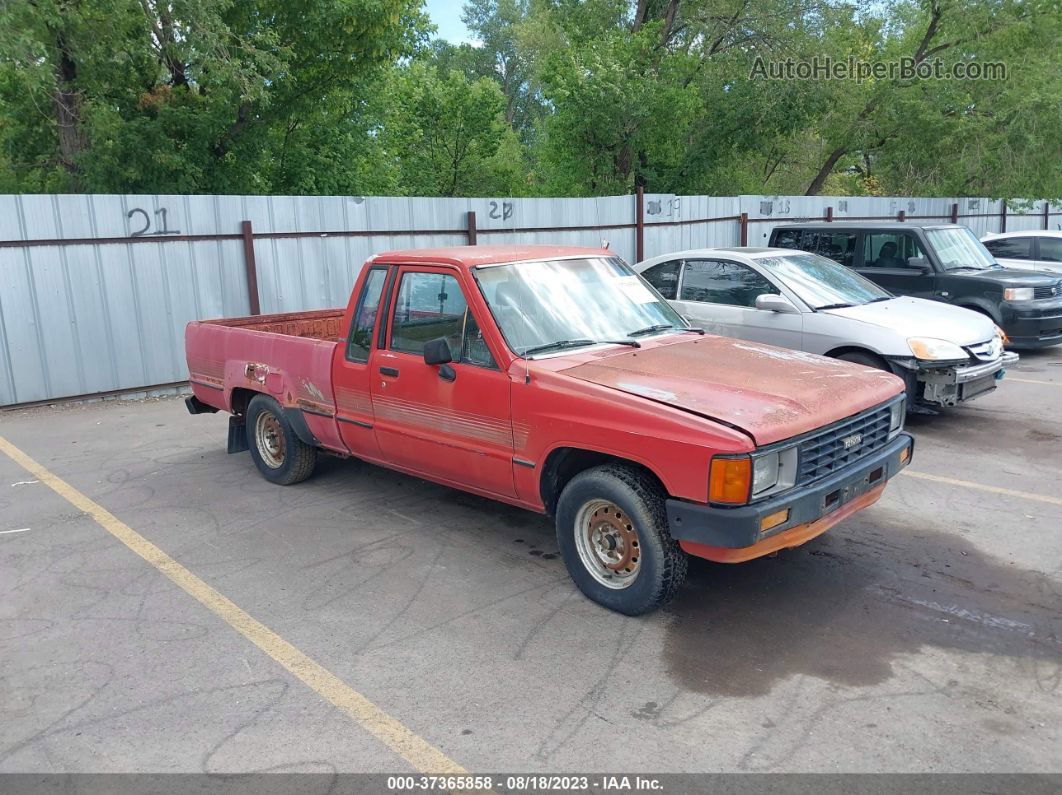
[897, 414]
[933, 350]
[1018, 294]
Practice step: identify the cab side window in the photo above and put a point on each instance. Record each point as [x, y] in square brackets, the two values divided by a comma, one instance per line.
[723, 282]
[364, 320]
[889, 249]
[664, 277]
[838, 246]
[1011, 247]
[431, 305]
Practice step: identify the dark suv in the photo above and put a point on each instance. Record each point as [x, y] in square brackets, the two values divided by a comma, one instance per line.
[944, 262]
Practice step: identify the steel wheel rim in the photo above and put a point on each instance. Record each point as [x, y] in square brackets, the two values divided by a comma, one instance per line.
[608, 544]
[269, 439]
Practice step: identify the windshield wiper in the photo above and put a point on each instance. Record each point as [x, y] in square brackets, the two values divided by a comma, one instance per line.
[651, 329]
[561, 344]
[833, 306]
[881, 298]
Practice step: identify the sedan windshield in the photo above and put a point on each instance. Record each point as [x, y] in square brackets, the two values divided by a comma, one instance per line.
[959, 249]
[569, 303]
[822, 283]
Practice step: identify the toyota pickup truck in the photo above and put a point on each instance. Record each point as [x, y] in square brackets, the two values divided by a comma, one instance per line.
[556, 379]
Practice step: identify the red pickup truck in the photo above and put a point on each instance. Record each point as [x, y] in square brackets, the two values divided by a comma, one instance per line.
[556, 379]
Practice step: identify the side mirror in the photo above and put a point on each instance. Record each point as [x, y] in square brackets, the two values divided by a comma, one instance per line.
[771, 302]
[437, 351]
[919, 264]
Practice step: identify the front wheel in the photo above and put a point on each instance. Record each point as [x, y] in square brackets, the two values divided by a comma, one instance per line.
[280, 455]
[612, 534]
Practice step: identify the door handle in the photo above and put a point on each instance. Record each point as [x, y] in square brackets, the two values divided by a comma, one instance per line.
[391, 371]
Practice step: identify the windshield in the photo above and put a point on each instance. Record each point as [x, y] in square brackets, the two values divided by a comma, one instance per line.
[959, 248]
[822, 283]
[538, 304]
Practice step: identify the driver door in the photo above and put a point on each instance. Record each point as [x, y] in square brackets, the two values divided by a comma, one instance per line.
[885, 256]
[720, 296]
[459, 430]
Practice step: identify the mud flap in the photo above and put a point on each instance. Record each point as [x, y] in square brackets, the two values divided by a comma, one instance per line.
[237, 435]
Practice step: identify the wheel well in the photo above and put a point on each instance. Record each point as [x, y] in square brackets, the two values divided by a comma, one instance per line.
[856, 349]
[982, 310]
[240, 398]
[565, 463]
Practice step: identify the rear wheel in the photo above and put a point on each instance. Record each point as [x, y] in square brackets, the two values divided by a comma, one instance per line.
[280, 455]
[612, 534]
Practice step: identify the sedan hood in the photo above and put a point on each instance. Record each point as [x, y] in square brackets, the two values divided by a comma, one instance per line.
[770, 393]
[1012, 277]
[917, 317]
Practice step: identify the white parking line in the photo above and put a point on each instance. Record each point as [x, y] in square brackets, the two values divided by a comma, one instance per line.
[5, 532]
[1030, 381]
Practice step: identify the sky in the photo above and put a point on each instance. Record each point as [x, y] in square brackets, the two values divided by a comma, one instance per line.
[446, 15]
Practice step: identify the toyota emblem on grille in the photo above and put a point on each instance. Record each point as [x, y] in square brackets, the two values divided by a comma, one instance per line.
[852, 441]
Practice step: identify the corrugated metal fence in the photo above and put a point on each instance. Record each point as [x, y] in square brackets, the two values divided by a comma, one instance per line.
[95, 291]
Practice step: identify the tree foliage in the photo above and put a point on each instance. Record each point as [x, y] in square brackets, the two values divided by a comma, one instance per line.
[556, 97]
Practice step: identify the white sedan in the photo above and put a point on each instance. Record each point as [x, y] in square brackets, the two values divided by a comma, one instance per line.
[945, 354]
[1039, 250]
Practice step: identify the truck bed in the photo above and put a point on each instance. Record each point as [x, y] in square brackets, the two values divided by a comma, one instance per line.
[321, 324]
[287, 356]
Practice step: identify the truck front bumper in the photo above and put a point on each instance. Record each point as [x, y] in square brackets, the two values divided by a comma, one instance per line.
[732, 535]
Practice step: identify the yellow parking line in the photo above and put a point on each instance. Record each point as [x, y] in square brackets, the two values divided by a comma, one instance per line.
[1025, 495]
[417, 751]
[1030, 381]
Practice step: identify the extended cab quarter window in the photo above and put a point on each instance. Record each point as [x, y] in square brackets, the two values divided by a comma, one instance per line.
[431, 305]
[364, 320]
[723, 282]
[889, 249]
[664, 277]
[1011, 247]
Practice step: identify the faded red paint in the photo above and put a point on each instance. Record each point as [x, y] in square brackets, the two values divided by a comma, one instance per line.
[769, 392]
[669, 406]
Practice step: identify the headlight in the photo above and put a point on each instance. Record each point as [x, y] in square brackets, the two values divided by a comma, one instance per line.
[897, 414]
[764, 472]
[1018, 294]
[933, 350]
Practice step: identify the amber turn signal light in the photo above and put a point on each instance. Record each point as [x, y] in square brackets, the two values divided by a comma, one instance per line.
[729, 480]
[774, 519]
[905, 453]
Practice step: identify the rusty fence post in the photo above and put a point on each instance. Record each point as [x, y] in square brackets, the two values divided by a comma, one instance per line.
[1047, 214]
[1003, 216]
[251, 267]
[743, 220]
[955, 212]
[471, 218]
[639, 223]
[829, 215]
[901, 216]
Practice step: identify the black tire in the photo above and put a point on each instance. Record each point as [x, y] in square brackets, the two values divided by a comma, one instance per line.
[865, 359]
[632, 495]
[292, 460]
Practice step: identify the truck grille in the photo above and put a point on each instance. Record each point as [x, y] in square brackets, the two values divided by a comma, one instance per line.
[1048, 292]
[826, 452]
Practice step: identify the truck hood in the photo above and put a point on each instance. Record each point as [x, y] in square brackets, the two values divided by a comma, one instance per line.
[1011, 277]
[770, 393]
[917, 317]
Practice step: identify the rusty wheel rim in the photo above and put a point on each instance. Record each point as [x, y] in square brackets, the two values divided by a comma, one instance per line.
[608, 544]
[269, 438]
